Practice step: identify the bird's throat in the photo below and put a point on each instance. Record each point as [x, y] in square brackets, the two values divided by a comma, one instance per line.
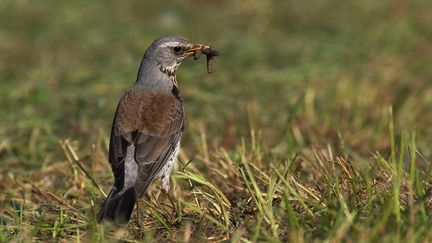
[170, 70]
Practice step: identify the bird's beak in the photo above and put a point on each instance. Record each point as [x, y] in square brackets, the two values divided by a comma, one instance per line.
[195, 48]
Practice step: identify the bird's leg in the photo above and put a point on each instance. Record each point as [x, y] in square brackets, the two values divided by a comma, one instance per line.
[174, 202]
[139, 222]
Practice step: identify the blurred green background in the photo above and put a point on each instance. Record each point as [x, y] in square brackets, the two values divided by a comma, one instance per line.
[304, 73]
[64, 65]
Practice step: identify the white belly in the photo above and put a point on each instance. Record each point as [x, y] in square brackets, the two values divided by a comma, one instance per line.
[131, 169]
[166, 170]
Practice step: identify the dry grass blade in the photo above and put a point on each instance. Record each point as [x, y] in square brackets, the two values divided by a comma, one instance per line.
[219, 200]
[73, 157]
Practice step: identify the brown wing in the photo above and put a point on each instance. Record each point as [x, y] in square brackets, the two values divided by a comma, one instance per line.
[153, 123]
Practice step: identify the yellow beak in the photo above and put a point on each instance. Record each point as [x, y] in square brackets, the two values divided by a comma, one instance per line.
[195, 48]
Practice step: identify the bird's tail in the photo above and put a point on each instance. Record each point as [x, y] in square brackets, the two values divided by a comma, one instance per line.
[118, 208]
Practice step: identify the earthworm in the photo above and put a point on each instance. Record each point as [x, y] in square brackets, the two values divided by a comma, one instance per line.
[210, 54]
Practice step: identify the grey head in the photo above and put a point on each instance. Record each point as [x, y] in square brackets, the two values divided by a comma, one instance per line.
[164, 56]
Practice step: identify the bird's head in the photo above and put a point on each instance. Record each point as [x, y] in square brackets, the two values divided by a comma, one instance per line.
[169, 52]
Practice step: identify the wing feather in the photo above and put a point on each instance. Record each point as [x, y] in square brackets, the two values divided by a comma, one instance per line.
[154, 124]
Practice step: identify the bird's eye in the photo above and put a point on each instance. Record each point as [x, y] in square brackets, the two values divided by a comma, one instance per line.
[177, 49]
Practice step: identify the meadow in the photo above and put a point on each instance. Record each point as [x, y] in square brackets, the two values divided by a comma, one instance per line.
[315, 125]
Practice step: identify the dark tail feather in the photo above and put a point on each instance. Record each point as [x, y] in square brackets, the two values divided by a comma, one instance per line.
[118, 208]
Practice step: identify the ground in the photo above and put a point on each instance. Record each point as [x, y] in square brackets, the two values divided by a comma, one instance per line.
[315, 124]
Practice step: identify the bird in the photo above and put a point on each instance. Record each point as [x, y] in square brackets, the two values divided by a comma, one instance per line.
[147, 127]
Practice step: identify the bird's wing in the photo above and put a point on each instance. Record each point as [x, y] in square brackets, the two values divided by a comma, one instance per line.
[153, 123]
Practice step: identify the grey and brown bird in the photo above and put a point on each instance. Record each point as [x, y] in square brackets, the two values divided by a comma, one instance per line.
[147, 126]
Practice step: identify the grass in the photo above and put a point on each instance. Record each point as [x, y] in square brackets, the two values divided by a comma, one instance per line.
[314, 126]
